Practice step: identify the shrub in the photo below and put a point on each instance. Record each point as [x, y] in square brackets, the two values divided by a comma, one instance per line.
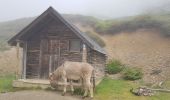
[102, 26]
[132, 74]
[96, 38]
[114, 66]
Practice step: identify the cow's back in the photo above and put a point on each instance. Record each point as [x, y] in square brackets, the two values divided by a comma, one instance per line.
[75, 70]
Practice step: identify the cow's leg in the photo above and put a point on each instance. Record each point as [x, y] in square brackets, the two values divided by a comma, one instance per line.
[91, 90]
[89, 87]
[85, 88]
[82, 85]
[64, 86]
[85, 92]
[71, 86]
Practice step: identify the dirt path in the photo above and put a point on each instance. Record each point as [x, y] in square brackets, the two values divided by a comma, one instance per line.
[37, 95]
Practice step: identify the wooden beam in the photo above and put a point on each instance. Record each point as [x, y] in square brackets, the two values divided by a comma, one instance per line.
[84, 55]
[50, 64]
[59, 54]
[40, 59]
[17, 63]
[24, 59]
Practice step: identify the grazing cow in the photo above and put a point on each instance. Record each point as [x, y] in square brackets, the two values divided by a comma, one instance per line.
[73, 71]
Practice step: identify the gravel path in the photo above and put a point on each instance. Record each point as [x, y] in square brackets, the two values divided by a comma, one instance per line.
[37, 95]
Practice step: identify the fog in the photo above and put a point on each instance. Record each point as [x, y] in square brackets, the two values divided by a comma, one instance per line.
[13, 9]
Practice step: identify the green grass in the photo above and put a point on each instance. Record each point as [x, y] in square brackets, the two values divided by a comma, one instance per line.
[6, 83]
[110, 89]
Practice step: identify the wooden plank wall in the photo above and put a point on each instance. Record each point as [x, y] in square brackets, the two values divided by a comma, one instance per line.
[51, 44]
[52, 41]
[33, 53]
[98, 61]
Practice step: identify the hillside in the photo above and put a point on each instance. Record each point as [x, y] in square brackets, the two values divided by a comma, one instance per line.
[138, 41]
[160, 21]
[145, 49]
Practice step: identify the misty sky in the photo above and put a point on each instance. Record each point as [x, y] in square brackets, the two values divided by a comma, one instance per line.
[13, 9]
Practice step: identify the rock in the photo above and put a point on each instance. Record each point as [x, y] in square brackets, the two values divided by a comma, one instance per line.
[142, 91]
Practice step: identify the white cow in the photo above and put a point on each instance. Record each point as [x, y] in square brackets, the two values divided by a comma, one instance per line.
[74, 71]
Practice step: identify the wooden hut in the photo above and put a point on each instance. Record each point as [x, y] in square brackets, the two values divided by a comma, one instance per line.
[49, 41]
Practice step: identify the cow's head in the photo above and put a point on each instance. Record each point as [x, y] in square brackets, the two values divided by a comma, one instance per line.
[53, 81]
[51, 76]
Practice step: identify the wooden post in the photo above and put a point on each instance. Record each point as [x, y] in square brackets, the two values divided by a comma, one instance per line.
[50, 64]
[94, 65]
[17, 63]
[24, 59]
[40, 59]
[84, 55]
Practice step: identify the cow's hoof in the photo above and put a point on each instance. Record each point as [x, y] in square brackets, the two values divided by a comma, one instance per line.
[63, 94]
[83, 97]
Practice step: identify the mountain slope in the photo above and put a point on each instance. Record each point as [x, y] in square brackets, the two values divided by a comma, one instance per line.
[139, 41]
[145, 49]
[160, 21]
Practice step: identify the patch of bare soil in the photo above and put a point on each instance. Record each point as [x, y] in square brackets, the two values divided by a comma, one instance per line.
[36, 95]
[145, 49]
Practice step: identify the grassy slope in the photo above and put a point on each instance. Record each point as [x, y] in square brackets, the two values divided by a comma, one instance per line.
[110, 89]
[160, 21]
[10, 28]
[145, 49]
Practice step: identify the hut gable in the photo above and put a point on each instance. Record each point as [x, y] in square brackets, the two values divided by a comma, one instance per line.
[43, 20]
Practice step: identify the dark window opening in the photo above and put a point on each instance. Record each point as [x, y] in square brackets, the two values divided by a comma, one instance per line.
[74, 45]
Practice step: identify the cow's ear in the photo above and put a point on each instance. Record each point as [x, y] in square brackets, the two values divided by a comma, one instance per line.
[51, 74]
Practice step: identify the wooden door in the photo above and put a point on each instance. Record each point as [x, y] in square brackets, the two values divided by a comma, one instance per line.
[50, 51]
